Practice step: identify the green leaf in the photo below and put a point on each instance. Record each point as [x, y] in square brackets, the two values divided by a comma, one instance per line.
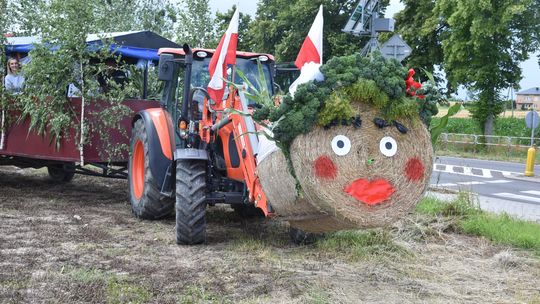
[438, 129]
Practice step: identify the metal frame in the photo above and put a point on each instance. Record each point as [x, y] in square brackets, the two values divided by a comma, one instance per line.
[114, 170]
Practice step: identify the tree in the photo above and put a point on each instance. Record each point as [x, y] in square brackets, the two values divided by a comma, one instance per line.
[158, 16]
[25, 16]
[478, 44]
[61, 60]
[282, 31]
[222, 22]
[196, 24]
[3, 95]
[483, 46]
[423, 31]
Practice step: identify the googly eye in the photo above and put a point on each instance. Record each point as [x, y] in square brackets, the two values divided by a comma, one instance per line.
[341, 145]
[388, 146]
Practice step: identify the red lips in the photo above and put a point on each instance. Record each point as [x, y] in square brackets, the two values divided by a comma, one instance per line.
[370, 193]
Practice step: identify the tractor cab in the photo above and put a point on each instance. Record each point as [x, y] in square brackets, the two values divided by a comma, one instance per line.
[246, 62]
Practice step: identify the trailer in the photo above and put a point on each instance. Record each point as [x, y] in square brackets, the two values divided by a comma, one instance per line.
[24, 148]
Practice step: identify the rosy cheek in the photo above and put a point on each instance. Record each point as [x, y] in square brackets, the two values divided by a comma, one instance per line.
[325, 168]
[414, 169]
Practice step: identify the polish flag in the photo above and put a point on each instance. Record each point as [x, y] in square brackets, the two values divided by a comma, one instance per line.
[225, 54]
[309, 59]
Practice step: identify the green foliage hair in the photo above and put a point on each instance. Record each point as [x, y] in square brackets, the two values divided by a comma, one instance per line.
[336, 108]
[373, 80]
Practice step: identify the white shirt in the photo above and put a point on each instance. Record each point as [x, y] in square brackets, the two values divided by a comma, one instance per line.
[14, 83]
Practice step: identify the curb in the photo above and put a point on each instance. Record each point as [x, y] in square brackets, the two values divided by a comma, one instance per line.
[443, 190]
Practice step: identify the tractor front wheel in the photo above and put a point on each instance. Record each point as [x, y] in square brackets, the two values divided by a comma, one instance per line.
[190, 202]
[144, 195]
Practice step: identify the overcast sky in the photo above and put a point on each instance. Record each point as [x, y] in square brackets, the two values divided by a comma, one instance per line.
[531, 70]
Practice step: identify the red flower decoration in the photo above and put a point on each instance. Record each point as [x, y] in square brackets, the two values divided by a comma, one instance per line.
[411, 85]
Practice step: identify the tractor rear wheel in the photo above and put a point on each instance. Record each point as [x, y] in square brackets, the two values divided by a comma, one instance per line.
[190, 202]
[144, 195]
[61, 173]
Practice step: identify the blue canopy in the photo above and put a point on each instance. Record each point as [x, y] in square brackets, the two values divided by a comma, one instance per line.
[140, 45]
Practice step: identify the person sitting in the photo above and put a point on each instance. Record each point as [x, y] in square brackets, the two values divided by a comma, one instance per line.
[14, 81]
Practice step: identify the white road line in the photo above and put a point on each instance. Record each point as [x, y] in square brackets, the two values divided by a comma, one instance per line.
[533, 192]
[517, 196]
[471, 183]
[499, 181]
[467, 171]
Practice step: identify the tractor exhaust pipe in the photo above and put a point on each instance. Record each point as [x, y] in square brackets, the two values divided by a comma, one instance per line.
[187, 82]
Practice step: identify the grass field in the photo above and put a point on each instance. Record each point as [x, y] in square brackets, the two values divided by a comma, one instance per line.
[505, 125]
[464, 113]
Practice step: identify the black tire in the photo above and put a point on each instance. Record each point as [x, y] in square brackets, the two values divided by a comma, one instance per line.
[144, 194]
[61, 173]
[190, 202]
[300, 237]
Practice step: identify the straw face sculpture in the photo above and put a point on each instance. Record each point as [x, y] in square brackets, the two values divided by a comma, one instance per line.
[368, 175]
[361, 157]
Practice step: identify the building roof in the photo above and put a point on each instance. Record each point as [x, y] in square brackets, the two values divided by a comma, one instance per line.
[531, 91]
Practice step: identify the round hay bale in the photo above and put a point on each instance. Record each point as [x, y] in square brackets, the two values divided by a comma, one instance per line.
[280, 189]
[277, 182]
[370, 175]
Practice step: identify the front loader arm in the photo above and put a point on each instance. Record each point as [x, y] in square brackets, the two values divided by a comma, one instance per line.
[247, 145]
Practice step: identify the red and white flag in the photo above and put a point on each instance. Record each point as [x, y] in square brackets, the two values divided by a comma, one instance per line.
[225, 54]
[309, 59]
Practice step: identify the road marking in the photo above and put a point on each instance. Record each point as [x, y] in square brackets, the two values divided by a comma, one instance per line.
[486, 173]
[499, 181]
[517, 196]
[471, 183]
[508, 173]
[468, 171]
[533, 192]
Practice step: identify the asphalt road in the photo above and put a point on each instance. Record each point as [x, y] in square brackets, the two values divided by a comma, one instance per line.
[495, 180]
[488, 164]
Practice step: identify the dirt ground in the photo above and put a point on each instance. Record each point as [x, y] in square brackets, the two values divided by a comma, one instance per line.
[79, 243]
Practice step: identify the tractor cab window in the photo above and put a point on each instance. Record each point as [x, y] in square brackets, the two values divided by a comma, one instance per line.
[251, 70]
[200, 76]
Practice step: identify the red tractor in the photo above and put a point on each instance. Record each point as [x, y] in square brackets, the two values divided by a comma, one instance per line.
[191, 150]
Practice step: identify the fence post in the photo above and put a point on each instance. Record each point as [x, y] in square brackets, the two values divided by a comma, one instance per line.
[445, 140]
[509, 144]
